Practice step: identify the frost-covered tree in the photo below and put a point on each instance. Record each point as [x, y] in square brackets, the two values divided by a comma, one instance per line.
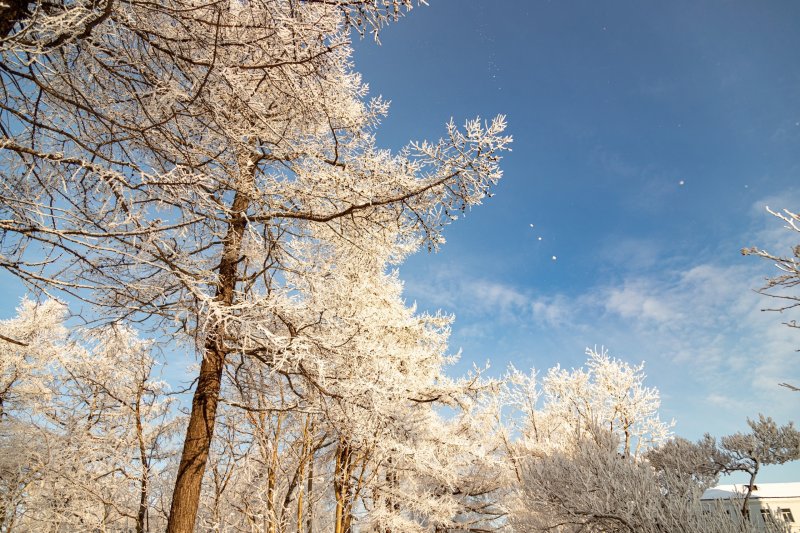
[182, 163]
[609, 394]
[781, 288]
[592, 487]
[570, 431]
[789, 278]
[353, 439]
[114, 384]
[87, 447]
[766, 444]
[700, 462]
[28, 344]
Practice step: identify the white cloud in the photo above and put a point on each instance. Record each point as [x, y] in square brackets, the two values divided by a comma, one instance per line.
[707, 343]
[704, 328]
[492, 295]
[552, 311]
[640, 300]
[728, 403]
[696, 321]
[468, 297]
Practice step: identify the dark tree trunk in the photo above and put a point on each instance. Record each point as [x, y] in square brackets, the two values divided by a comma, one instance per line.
[186, 495]
[141, 515]
[309, 496]
[750, 487]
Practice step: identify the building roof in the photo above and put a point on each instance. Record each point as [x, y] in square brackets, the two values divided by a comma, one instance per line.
[763, 490]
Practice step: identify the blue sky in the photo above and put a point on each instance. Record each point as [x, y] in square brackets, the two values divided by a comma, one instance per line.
[648, 137]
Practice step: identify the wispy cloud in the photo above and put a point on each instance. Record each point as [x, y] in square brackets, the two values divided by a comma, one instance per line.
[496, 296]
[700, 328]
[696, 321]
[453, 291]
[553, 311]
[641, 300]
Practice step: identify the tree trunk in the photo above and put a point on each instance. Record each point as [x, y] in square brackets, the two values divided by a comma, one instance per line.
[141, 515]
[300, 499]
[272, 479]
[341, 485]
[750, 487]
[310, 495]
[186, 495]
[301, 474]
[392, 483]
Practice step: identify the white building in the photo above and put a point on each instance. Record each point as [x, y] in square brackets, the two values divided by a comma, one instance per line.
[780, 500]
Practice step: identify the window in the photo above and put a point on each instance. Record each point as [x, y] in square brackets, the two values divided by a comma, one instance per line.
[786, 514]
[766, 515]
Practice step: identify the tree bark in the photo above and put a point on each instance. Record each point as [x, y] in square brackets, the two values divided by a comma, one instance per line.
[186, 495]
[301, 472]
[310, 495]
[141, 515]
[272, 479]
[392, 483]
[341, 488]
[750, 487]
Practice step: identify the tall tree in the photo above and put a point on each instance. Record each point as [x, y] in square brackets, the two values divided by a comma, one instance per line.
[361, 421]
[169, 163]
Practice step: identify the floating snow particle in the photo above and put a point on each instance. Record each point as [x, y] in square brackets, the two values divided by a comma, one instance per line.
[531, 225]
[681, 182]
[540, 238]
[554, 258]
